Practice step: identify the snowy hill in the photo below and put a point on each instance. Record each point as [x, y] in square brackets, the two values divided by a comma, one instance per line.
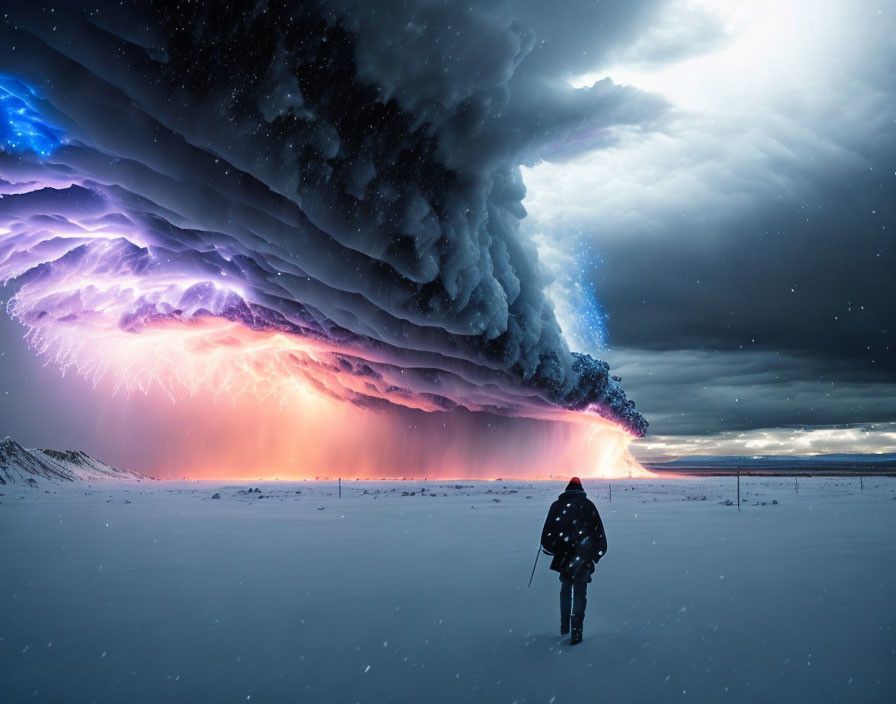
[845, 462]
[19, 465]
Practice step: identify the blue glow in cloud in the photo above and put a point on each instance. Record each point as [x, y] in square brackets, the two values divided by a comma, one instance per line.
[22, 129]
[592, 318]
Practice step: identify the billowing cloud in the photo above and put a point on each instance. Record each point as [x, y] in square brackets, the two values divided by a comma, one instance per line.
[245, 197]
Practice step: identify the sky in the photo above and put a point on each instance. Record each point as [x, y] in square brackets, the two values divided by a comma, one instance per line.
[743, 247]
[408, 238]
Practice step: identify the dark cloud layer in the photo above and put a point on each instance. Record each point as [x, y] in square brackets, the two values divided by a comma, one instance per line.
[696, 392]
[812, 274]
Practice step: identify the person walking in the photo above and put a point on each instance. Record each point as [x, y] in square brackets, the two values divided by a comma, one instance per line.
[574, 535]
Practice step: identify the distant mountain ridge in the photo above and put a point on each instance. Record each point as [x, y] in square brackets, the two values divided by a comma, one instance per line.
[842, 461]
[19, 465]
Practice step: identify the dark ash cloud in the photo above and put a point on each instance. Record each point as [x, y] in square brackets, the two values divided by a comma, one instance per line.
[337, 171]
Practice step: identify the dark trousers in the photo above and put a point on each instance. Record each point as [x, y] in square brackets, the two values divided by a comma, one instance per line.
[573, 597]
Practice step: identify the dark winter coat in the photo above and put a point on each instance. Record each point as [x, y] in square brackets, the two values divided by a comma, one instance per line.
[574, 534]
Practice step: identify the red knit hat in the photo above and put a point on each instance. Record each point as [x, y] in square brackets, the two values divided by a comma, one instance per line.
[575, 484]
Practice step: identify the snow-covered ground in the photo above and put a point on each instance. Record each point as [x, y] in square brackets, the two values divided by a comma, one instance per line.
[125, 592]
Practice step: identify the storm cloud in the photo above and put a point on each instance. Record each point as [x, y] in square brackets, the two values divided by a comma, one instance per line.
[344, 173]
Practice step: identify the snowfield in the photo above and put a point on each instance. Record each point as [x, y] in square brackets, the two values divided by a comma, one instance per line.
[416, 592]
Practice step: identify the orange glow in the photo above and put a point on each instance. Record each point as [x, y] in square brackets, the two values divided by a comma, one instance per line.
[310, 436]
[232, 403]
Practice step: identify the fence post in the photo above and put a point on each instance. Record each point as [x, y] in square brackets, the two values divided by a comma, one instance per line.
[340, 487]
[738, 488]
[611, 492]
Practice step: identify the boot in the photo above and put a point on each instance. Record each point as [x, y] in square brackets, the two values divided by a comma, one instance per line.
[576, 636]
[564, 628]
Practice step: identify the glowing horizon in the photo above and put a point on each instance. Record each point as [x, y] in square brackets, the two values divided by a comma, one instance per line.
[255, 412]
